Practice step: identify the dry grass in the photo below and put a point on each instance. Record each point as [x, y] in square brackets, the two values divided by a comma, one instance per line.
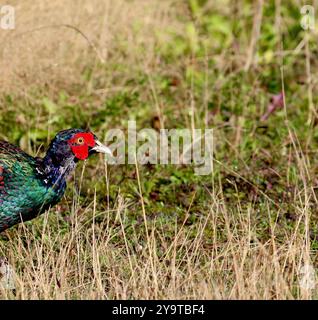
[112, 260]
[86, 263]
[54, 41]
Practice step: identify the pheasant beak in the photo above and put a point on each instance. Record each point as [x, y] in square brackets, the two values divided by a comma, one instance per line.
[99, 147]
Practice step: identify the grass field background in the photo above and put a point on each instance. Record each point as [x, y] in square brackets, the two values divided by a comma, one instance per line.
[246, 231]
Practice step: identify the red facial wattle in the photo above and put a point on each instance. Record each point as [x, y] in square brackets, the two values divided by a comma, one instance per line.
[80, 150]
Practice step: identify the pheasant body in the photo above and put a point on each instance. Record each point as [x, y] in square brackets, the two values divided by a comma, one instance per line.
[29, 186]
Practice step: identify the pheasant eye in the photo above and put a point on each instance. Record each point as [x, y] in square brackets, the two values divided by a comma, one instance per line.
[80, 140]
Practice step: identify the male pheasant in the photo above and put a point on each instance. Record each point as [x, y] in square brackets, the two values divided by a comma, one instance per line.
[29, 186]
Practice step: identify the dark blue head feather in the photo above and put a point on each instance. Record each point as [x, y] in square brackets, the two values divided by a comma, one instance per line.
[60, 160]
